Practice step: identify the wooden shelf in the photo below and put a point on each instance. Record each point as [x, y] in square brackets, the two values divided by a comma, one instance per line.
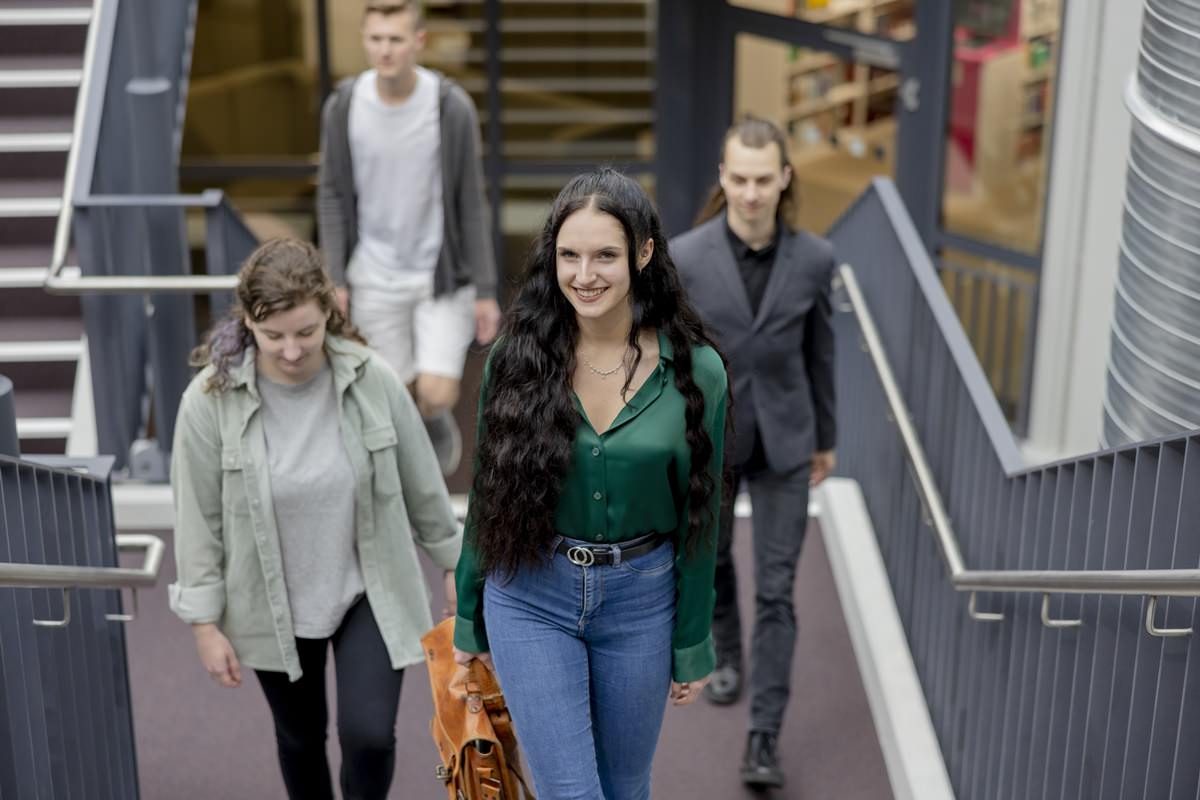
[812, 61]
[845, 93]
[840, 9]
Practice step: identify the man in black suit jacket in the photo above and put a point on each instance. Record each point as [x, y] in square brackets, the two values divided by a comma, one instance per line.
[764, 291]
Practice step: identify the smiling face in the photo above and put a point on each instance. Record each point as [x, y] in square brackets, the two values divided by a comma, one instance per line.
[291, 343]
[753, 179]
[591, 258]
[392, 42]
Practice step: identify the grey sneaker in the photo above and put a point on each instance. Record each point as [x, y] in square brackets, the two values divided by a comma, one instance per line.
[446, 439]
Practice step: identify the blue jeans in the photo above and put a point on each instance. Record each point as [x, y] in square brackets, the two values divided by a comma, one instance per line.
[583, 655]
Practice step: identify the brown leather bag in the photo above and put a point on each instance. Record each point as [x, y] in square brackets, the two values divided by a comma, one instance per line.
[471, 726]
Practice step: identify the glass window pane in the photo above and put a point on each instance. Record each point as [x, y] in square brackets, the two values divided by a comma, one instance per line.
[1001, 115]
[995, 303]
[891, 18]
[838, 116]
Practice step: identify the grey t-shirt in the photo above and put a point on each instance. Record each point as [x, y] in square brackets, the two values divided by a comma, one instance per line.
[312, 488]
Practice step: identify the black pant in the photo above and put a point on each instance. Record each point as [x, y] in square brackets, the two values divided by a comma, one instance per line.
[368, 693]
[780, 504]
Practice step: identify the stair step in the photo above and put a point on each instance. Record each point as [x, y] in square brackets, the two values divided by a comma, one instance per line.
[32, 173]
[40, 352]
[25, 207]
[22, 103]
[545, 55]
[24, 235]
[44, 32]
[571, 85]
[14, 257]
[582, 26]
[43, 427]
[42, 15]
[40, 72]
[34, 301]
[30, 188]
[35, 142]
[573, 116]
[43, 328]
[26, 125]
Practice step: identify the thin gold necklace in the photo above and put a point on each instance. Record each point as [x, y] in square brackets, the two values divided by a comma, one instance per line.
[604, 373]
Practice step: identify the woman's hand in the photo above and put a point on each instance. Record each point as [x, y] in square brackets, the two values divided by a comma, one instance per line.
[463, 658]
[684, 694]
[217, 656]
[451, 606]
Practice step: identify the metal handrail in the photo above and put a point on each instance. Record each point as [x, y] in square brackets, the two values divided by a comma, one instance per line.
[1149, 582]
[103, 14]
[58, 576]
[61, 279]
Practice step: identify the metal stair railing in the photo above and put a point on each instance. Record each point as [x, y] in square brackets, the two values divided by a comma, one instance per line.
[223, 225]
[1153, 583]
[129, 224]
[1067, 697]
[67, 578]
[67, 725]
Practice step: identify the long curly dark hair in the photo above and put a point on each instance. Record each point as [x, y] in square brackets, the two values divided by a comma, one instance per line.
[280, 275]
[529, 417]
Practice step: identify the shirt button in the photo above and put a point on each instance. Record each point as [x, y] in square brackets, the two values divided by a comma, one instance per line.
[595, 451]
[596, 495]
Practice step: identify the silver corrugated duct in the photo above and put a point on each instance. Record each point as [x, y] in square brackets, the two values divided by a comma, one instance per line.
[1154, 364]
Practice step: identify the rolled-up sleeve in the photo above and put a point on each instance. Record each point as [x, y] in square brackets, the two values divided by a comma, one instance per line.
[198, 593]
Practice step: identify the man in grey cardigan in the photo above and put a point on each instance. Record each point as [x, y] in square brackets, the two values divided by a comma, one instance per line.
[402, 216]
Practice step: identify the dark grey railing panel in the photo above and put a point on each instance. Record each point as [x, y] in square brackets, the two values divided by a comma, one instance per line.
[67, 728]
[1022, 708]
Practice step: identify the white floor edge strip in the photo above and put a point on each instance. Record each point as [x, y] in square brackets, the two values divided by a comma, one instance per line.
[910, 747]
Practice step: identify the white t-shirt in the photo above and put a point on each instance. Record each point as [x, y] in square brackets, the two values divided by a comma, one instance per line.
[396, 150]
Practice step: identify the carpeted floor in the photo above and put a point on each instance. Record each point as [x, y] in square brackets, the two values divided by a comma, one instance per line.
[196, 740]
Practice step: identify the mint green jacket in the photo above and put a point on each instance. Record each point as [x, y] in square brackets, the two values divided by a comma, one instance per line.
[230, 571]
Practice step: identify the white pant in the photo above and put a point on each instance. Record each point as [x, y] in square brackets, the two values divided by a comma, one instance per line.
[415, 332]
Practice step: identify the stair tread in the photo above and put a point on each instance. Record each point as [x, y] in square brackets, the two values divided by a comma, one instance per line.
[26, 256]
[15, 188]
[19, 125]
[41, 329]
[21, 63]
[40, 403]
[38, 5]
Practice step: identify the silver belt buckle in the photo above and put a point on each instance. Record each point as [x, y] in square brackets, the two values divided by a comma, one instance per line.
[581, 556]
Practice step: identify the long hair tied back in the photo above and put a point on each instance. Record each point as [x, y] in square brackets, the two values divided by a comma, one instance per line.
[280, 275]
[528, 414]
[757, 133]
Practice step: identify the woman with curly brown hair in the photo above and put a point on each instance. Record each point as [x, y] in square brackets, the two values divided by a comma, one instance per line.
[302, 478]
[587, 567]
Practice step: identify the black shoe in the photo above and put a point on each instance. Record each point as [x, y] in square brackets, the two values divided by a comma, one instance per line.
[760, 767]
[725, 686]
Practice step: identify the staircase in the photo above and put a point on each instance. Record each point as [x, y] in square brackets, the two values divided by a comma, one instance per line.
[41, 55]
[577, 81]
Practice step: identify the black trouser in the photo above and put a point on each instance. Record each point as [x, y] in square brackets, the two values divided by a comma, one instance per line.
[368, 694]
[780, 507]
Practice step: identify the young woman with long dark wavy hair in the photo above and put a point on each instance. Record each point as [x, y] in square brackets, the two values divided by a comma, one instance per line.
[587, 566]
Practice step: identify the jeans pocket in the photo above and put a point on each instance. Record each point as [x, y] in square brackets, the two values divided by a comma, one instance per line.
[656, 562]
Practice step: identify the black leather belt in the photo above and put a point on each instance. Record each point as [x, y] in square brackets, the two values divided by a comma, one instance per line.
[601, 555]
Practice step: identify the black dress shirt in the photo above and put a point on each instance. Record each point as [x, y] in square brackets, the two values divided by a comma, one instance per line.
[754, 265]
